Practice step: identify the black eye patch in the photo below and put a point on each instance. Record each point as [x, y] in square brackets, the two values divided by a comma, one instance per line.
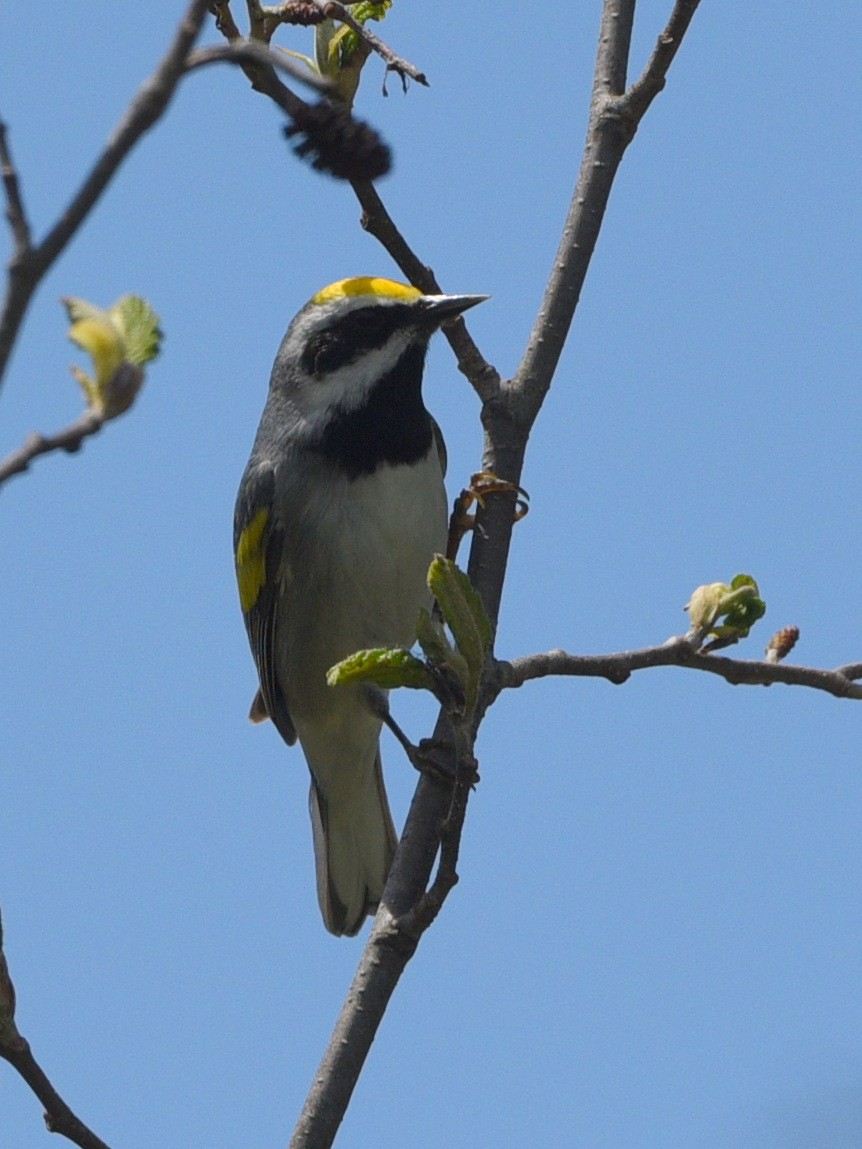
[349, 337]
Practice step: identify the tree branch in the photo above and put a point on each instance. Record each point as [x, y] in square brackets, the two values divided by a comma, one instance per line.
[614, 118]
[251, 52]
[29, 264]
[642, 93]
[69, 439]
[394, 63]
[618, 668]
[59, 1118]
[508, 418]
[377, 221]
[15, 213]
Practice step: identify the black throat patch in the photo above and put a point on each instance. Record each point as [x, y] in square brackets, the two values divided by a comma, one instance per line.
[393, 426]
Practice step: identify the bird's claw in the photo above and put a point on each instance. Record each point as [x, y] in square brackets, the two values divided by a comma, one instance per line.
[433, 756]
[482, 484]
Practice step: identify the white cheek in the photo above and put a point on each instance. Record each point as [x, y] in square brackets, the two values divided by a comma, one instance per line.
[348, 386]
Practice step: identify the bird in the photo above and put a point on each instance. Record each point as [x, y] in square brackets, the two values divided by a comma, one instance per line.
[339, 513]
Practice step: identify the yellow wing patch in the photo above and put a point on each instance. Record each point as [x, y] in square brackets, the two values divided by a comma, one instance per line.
[367, 285]
[251, 560]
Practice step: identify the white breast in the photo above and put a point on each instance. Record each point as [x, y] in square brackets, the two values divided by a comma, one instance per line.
[356, 576]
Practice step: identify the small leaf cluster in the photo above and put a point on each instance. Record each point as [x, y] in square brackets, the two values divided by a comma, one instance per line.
[120, 340]
[738, 603]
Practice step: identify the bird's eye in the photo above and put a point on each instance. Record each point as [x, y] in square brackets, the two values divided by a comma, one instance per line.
[319, 353]
[349, 337]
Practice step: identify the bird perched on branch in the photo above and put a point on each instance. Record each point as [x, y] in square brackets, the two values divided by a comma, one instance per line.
[338, 514]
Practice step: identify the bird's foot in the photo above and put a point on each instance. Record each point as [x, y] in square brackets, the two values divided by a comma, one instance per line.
[435, 757]
[482, 484]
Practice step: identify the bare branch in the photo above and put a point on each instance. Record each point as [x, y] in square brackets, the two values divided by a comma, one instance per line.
[508, 418]
[14, 204]
[69, 439]
[614, 118]
[251, 52]
[394, 63]
[331, 140]
[418, 919]
[59, 1118]
[388, 950]
[377, 221]
[642, 93]
[618, 668]
[224, 20]
[150, 103]
[303, 12]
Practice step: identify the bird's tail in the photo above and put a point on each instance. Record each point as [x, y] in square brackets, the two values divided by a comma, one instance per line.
[354, 843]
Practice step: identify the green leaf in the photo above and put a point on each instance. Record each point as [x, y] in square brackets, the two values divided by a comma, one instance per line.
[745, 606]
[340, 54]
[739, 604]
[465, 616]
[704, 606]
[119, 341]
[78, 309]
[139, 325]
[385, 667]
[432, 638]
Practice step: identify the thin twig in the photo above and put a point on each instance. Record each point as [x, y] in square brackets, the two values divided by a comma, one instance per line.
[618, 668]
[252, 52]
[422, 915]
[59, 1118]
[224, 20]
[14, 1049]
[149, 104]
[642, 93]
[15, 212]
[377, 221]
[330, 138]
[507, 422]
[394, 63]
[69, 439]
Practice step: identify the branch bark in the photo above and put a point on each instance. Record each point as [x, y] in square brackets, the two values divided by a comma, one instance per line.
[618, 668]
[14, 1049]
[59, 1118]
[70, 439]
[29, 264]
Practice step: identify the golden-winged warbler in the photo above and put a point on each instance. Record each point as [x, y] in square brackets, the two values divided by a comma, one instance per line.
[338, 514]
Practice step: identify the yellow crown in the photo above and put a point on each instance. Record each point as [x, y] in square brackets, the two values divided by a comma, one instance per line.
[367, 285]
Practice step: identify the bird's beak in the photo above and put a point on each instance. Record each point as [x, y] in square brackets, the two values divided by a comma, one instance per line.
[439, 308]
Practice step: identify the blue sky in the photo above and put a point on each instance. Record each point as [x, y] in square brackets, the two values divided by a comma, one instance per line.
[656, 940]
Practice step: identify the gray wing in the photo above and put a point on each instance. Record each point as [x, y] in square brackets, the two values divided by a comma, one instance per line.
[258, 542]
